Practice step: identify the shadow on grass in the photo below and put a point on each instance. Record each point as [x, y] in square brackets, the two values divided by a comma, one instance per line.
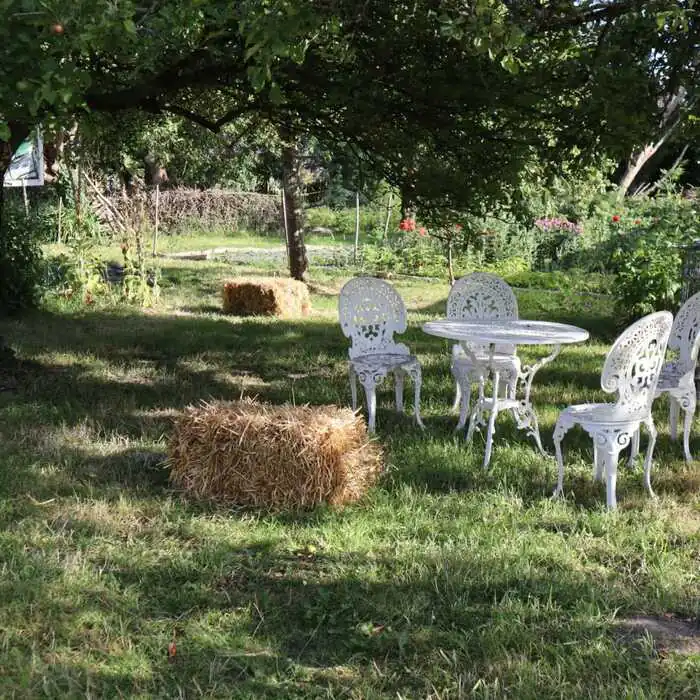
[274, 623]
[127, 374]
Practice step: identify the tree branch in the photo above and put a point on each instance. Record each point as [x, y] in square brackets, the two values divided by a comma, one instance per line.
[596, 13]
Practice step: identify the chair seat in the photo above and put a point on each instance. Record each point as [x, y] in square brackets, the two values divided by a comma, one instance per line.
[384, 361]
[500, 361]
[603, 414]
[671, 375]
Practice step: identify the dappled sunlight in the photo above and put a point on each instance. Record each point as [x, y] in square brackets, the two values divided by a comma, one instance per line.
[445, 573]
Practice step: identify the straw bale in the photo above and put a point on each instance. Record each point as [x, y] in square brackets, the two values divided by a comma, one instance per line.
[249, 453]
[271, 296]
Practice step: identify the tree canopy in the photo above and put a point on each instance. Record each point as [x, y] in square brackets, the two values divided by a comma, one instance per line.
[453, 102]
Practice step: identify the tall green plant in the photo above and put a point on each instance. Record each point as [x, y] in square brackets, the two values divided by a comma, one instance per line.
[20, 261]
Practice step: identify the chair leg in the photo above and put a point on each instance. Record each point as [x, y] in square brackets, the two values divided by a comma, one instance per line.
[492, 421]
[634, 451]
[371, 395]
[476, 415]
[417, 377]
[674, 410]
[458, 396]
[598, 462]
[473, 417]
[353, 387]
[560, 430]
[463, 392]
[369, 381]
[512, 385]
[464, 406]
[610, 455]
[649, 423]
[689, 406]
[398, 384]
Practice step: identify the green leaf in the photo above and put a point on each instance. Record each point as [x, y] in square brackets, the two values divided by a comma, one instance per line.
[510, 63]
[251, 51]
[276, 96]
[5, 132]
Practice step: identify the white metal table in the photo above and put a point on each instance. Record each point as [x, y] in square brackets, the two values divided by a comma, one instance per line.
[513, 332]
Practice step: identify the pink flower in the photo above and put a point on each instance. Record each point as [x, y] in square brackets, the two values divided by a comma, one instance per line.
[422, 231]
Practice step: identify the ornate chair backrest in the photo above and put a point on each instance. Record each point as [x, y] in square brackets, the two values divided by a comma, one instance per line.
[685, 333]
[634, 363]
[481, 296]
[371, 311]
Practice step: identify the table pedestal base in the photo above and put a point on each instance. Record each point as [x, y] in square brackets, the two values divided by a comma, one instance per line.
[522, 409]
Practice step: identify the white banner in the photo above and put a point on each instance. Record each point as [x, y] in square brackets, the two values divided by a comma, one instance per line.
[27, 166]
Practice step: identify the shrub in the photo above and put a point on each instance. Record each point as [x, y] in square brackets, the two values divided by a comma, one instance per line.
[648, 266]
[20, 261]
[42, 209]
[647, 256]
[77, 274]
[341, 222]
[556, 238]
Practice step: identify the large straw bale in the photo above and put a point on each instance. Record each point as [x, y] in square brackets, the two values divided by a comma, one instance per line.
[250, 453]
[271, 296]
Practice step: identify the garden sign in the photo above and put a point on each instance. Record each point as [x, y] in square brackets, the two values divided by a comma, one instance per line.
[27, 165]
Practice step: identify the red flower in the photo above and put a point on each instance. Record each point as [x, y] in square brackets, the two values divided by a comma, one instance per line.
[422, 231]
[616, 218]
[637, 222]
[458, 227]
[408, 225]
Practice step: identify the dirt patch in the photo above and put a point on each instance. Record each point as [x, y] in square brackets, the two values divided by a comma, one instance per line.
[250, 256]
[671, 635]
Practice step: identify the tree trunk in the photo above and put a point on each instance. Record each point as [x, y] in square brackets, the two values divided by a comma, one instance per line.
[3, 170]
[450, 263]
[671, 120]
[635, 164]
[292, 184]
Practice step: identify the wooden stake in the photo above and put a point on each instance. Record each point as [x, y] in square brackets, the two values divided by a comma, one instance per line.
[26, 201]
[60, 217]
[388, 216]
[357, 226]
[155, 228]
[286, 225]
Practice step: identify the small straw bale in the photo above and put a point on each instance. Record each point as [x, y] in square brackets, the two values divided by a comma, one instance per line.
[249, 453]
[266, 297]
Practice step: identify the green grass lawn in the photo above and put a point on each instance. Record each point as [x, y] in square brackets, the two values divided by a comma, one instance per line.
[199, 242]
[445, 582]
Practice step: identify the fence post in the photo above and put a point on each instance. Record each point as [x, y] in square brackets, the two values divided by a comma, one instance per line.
[286, 225]
[60, 217]
[388, 215]
[155, 227]
[357, 227]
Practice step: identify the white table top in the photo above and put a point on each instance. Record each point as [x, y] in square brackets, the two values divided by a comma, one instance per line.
[519, 332]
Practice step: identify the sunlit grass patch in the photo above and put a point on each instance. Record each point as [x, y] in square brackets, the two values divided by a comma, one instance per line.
[446, 581]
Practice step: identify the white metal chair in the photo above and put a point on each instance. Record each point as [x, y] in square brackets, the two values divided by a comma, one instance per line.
[481, 296]
[678, 376]
[632, 369]
[371, 311]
